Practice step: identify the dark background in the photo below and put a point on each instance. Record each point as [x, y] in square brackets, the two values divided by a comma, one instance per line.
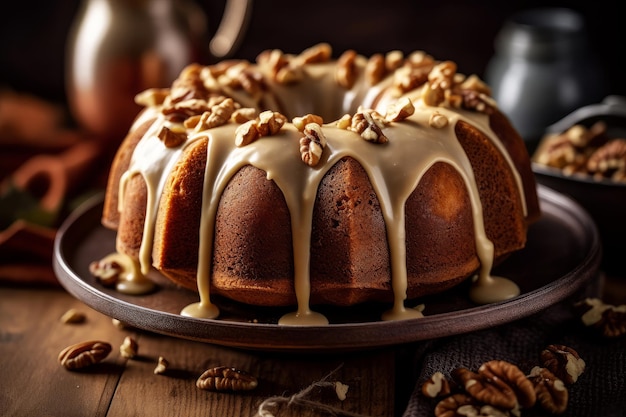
[33, 33]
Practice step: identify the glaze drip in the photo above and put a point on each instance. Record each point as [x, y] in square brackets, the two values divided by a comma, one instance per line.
[394, 169]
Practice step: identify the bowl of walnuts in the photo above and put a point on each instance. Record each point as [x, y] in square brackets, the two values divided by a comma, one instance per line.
[583, 155]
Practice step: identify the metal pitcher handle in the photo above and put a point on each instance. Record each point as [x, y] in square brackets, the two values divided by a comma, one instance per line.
[232, 28]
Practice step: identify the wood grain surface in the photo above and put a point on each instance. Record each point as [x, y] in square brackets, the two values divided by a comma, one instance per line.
[34, 383]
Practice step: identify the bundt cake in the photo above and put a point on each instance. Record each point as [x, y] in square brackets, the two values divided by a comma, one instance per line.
[301, 180]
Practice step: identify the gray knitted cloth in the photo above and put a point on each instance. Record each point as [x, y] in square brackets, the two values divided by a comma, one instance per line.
[599, 391]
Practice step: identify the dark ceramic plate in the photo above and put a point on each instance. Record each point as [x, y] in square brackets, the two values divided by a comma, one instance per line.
[561, 258]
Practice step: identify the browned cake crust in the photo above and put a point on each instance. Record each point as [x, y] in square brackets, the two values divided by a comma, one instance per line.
[252, 245]
[253, 256]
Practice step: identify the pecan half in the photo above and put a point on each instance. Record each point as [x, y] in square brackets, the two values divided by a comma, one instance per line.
[223, 378]
[564, 362]
[375, 69]
[312, 144]
[513, 377]
[449, 406]
[551, 392]
[489, 391]
[84, 354]
[497, 383]
[346, 69]
[369, 124]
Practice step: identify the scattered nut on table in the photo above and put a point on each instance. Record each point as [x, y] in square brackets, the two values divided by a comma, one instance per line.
[564, 362]
[73, 316]
[129, 347]
[513, 377]
[224, 378]
[84, 354]
[552, 393]
[607, 319]
[451, 405]
[486, 390]
[436, 386]
[162, 366]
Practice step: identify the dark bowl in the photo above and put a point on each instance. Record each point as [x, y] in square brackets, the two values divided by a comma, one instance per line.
[604, 200]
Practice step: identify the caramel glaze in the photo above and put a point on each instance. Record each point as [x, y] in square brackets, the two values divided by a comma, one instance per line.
[394, 170]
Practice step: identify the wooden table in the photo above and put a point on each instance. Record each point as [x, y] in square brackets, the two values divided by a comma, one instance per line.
[33, 383]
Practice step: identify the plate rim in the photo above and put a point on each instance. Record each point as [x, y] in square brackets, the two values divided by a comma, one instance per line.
[339, 336]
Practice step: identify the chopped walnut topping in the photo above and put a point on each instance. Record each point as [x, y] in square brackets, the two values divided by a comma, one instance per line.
[408, 77]
[152, 97]
[244, 114]
[346, 69]
[218, 115]
[442, 75]
[400, 110]
[473, 83]
[266, 124]
[270, 122]
[375, 69]
[282, 70]
[369, 124]
[437, 120]
[312, 144]
[393, 60]
[246, 133]
[172, 135]
[301, 122]
[345, 122]
[321, 52]
[474, 100]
